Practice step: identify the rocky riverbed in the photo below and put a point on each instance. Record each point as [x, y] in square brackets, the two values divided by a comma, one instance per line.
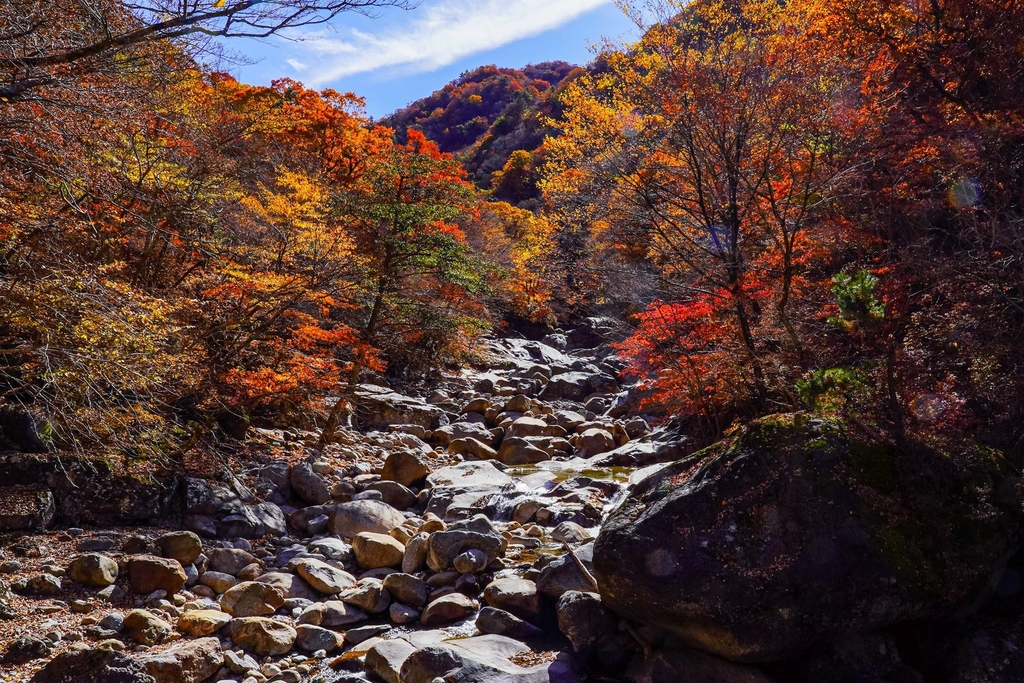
[451, 537]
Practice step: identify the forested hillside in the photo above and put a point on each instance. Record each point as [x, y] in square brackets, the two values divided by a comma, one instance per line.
[494, 120]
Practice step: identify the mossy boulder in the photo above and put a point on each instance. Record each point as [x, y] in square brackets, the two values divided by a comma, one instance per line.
[796, 531]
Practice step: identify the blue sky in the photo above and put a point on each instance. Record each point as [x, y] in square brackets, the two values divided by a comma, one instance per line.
[401, 56]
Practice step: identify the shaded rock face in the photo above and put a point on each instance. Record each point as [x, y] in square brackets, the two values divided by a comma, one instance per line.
[978, 650]
[24, 508]
[92, 666]
[793, 532]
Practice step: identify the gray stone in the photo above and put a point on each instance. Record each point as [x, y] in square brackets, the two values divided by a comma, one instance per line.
[311, 638]
[308, 485]
[350, 519]
[93, 569]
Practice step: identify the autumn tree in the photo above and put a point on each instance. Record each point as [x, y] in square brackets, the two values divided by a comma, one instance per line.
[47, 44]
[710, 148]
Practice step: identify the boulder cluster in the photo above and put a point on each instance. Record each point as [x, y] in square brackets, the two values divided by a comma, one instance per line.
[522, 524]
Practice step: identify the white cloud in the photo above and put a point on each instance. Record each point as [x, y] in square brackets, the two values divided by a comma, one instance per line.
[297, 65]
[438, 34]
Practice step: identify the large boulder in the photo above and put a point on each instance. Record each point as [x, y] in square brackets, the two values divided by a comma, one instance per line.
[481, 659]
[262, 636]
[521, 451]
[374, 551]
[192, 662]
[291, 585]
[462, 430]
[93, 665]
[352, 518]
[325, 578]
[380, 408]
[93, 569]
[794, 531]
[202, 622]
[148, 573]
[252, 599]
[572, 386]
[308, 485]
[462, 486]
[532, 426]
[405, 467]
[477, 533]
[183, 546]
[145, 627]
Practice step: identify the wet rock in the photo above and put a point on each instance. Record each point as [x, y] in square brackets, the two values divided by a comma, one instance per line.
[323, 577]
[252, 599]
[794, 531]
[26, 508]
[192, 662]
[183, 546]
[518, 596]
[92, 666]
[571, 532]
[501, 623]
[202, 622]
[145, 627]
[448, 608]
[308, 485]
[311, 638]
[353, 518]
[374, 551]
[406, 589]
[148, 573]
[262, 636]
[93, 569]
